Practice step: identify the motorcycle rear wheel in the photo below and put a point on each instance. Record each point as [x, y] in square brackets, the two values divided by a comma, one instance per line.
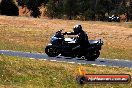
[92, 57]
[51, 51]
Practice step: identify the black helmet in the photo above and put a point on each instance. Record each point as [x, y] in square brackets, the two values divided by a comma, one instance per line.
[77, 29]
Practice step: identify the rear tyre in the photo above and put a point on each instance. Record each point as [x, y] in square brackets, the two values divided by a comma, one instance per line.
[92, 56]
[51, 51]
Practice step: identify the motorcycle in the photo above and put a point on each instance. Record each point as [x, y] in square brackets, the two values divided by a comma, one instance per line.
[59, 45]
[114, 18]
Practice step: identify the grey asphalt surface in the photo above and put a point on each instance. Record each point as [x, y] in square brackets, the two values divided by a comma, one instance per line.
[98, 62]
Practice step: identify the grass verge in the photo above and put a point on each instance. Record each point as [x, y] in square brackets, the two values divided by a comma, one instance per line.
[26, 73]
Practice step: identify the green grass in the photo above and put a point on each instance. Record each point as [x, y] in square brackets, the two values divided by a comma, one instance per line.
[26, 73]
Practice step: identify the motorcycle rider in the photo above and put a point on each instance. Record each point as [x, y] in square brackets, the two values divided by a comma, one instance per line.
[82, 38]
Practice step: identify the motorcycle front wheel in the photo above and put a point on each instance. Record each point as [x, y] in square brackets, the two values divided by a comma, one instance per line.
[51, 51]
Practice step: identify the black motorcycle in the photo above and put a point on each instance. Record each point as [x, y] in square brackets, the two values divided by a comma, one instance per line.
[114, 18]
[64, 47]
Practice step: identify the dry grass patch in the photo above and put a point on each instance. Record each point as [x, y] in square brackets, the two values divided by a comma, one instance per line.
[29, 34]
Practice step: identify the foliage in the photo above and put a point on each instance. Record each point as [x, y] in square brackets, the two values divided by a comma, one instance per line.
[87, 9]
[130, 10]
[89, 14]
[54, 8]
[8, 7]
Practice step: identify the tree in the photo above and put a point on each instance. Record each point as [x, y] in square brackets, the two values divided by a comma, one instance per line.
[70, 8]
[89, 14]
[33, 6]
[9, 8]
[51, 8]
[87, 9]
[130, 10]
[103, 7]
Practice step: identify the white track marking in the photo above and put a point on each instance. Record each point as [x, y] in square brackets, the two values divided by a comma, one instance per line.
[71, 62]
[127, 60]
[79, 63]
[43, 59]
[61, 61]
[116, 59]
[31, 58]
[53, 60]
[93, 64]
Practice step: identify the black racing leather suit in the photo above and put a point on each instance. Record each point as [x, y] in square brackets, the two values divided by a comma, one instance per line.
[82, 41]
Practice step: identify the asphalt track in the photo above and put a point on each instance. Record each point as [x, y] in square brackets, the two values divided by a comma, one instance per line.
[98, 62]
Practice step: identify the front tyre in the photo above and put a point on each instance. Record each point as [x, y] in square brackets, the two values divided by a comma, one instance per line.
[51, 51]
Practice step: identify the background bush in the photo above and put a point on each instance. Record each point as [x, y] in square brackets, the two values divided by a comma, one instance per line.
[71, 9]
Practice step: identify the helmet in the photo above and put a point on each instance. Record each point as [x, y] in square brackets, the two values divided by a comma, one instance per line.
[77, 29]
